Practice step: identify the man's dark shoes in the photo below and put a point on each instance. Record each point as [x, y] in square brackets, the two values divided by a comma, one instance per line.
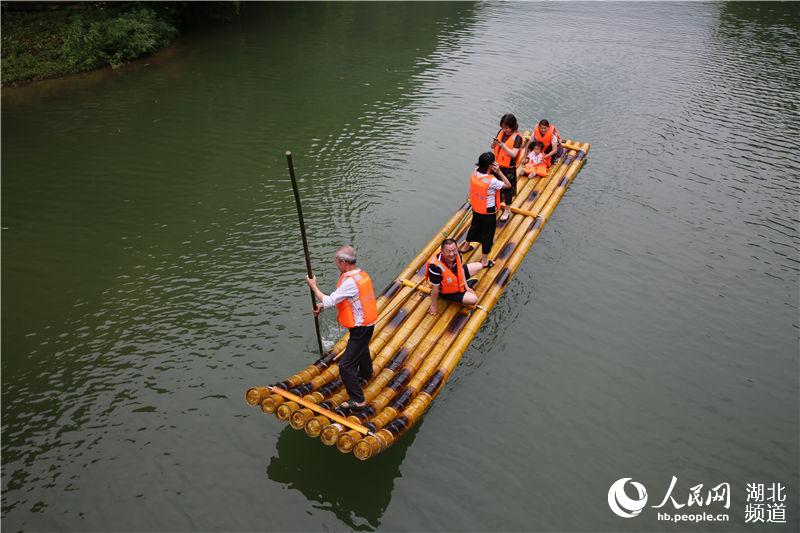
[348, 407]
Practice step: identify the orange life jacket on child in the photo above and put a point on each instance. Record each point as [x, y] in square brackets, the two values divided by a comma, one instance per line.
[536, 169]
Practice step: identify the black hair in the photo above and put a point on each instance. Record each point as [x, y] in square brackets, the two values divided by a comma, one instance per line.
[544, 123]
[540, 144]
[485, 161]
[448, 241]
[509, 120]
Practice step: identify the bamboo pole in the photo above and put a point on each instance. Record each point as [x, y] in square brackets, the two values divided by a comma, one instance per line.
[305, 244]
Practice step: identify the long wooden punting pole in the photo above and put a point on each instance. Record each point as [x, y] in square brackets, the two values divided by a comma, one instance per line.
[305, 244]
[372, 444]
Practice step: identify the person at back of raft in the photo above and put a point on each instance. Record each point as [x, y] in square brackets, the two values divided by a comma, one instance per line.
[484, 198]
[449, 277]
[547, 134]
[505, 147]
[354, 299]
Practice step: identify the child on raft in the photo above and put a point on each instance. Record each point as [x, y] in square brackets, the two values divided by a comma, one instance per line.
[535, 165]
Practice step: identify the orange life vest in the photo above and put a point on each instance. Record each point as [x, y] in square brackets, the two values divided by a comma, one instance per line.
[479, 192]
[366, 296]
[452, 282]
[535, 168]
[538, 169]
[546, 140]
[500, 155]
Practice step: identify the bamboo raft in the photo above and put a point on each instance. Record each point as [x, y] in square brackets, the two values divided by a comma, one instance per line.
[414, 353]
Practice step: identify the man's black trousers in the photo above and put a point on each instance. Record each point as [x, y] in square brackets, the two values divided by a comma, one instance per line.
[356, 362]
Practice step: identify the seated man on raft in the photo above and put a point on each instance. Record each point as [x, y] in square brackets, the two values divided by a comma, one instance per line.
[547, 134]
[450, 278]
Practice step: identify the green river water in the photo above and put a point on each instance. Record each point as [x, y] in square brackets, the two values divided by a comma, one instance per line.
[152, 268]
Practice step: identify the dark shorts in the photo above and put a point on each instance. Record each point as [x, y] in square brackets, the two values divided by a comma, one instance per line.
[453, 296]
[482, 230]
[556, 156]
[507, 195]
[456, 296]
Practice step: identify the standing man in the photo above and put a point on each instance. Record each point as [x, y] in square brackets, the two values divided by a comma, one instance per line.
[547, 134]
[484, 198]
[354, 299]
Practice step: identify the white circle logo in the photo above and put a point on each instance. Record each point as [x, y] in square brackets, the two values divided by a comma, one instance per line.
[621, 504]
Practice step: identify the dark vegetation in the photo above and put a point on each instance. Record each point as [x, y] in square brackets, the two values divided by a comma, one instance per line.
[49, 39]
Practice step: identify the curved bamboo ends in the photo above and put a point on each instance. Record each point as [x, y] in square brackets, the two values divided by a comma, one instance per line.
[413, 352]
[254, 395]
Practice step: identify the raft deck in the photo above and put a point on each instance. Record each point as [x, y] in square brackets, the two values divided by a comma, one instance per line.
[414, 353]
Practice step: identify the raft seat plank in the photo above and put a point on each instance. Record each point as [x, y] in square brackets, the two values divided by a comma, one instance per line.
[523, 212]
[320, 410]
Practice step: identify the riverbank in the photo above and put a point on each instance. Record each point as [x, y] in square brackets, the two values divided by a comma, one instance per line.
[48, 40]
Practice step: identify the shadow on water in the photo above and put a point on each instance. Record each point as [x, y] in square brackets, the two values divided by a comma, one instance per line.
[357, 492]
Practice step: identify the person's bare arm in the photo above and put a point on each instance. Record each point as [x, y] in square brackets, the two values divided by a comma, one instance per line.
[434, 300]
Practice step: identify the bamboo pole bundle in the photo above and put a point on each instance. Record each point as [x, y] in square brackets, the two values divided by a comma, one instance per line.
[378, 441]
[414, 353]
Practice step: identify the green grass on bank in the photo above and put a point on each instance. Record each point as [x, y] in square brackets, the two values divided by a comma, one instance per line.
[40, 44]
[50, 39]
